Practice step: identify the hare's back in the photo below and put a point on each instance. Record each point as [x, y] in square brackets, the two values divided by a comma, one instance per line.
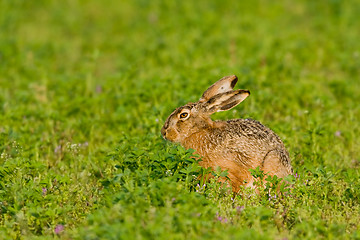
[251, 133]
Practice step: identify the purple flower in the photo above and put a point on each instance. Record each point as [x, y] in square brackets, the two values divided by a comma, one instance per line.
[59, 228]
[44, 191]
[272, 197]
[200, 188]
[98, 89]
[222, 219]
[240, 208]
[57, 149]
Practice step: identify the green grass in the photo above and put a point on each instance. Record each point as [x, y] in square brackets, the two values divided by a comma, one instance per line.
[85, 87]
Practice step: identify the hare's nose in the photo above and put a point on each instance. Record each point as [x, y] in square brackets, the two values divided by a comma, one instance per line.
[163, 132]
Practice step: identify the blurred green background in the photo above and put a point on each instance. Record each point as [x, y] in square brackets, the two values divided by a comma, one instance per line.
[85, 87]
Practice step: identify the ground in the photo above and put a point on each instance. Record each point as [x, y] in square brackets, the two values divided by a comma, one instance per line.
[85, 87]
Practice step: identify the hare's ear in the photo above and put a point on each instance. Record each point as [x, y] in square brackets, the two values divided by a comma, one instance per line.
[225, 101]
[225, 84]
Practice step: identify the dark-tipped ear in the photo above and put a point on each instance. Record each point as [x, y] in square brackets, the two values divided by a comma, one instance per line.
[225, 101]
[225, 84]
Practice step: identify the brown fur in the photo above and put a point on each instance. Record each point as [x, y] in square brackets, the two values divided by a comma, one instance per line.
[235, 145]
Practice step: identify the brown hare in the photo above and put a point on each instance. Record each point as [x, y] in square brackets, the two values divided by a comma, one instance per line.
[235, 145]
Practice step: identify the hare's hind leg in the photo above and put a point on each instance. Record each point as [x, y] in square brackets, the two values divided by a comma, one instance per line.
[276, 162]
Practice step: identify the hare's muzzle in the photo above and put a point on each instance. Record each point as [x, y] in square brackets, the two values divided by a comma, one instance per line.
[163, 132]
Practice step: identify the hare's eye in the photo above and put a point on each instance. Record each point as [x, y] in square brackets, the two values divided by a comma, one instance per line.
[184, 115]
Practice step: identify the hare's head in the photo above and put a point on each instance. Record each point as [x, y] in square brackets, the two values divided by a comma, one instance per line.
[195, 117]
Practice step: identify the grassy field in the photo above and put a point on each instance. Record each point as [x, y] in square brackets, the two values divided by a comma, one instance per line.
[85, 87]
